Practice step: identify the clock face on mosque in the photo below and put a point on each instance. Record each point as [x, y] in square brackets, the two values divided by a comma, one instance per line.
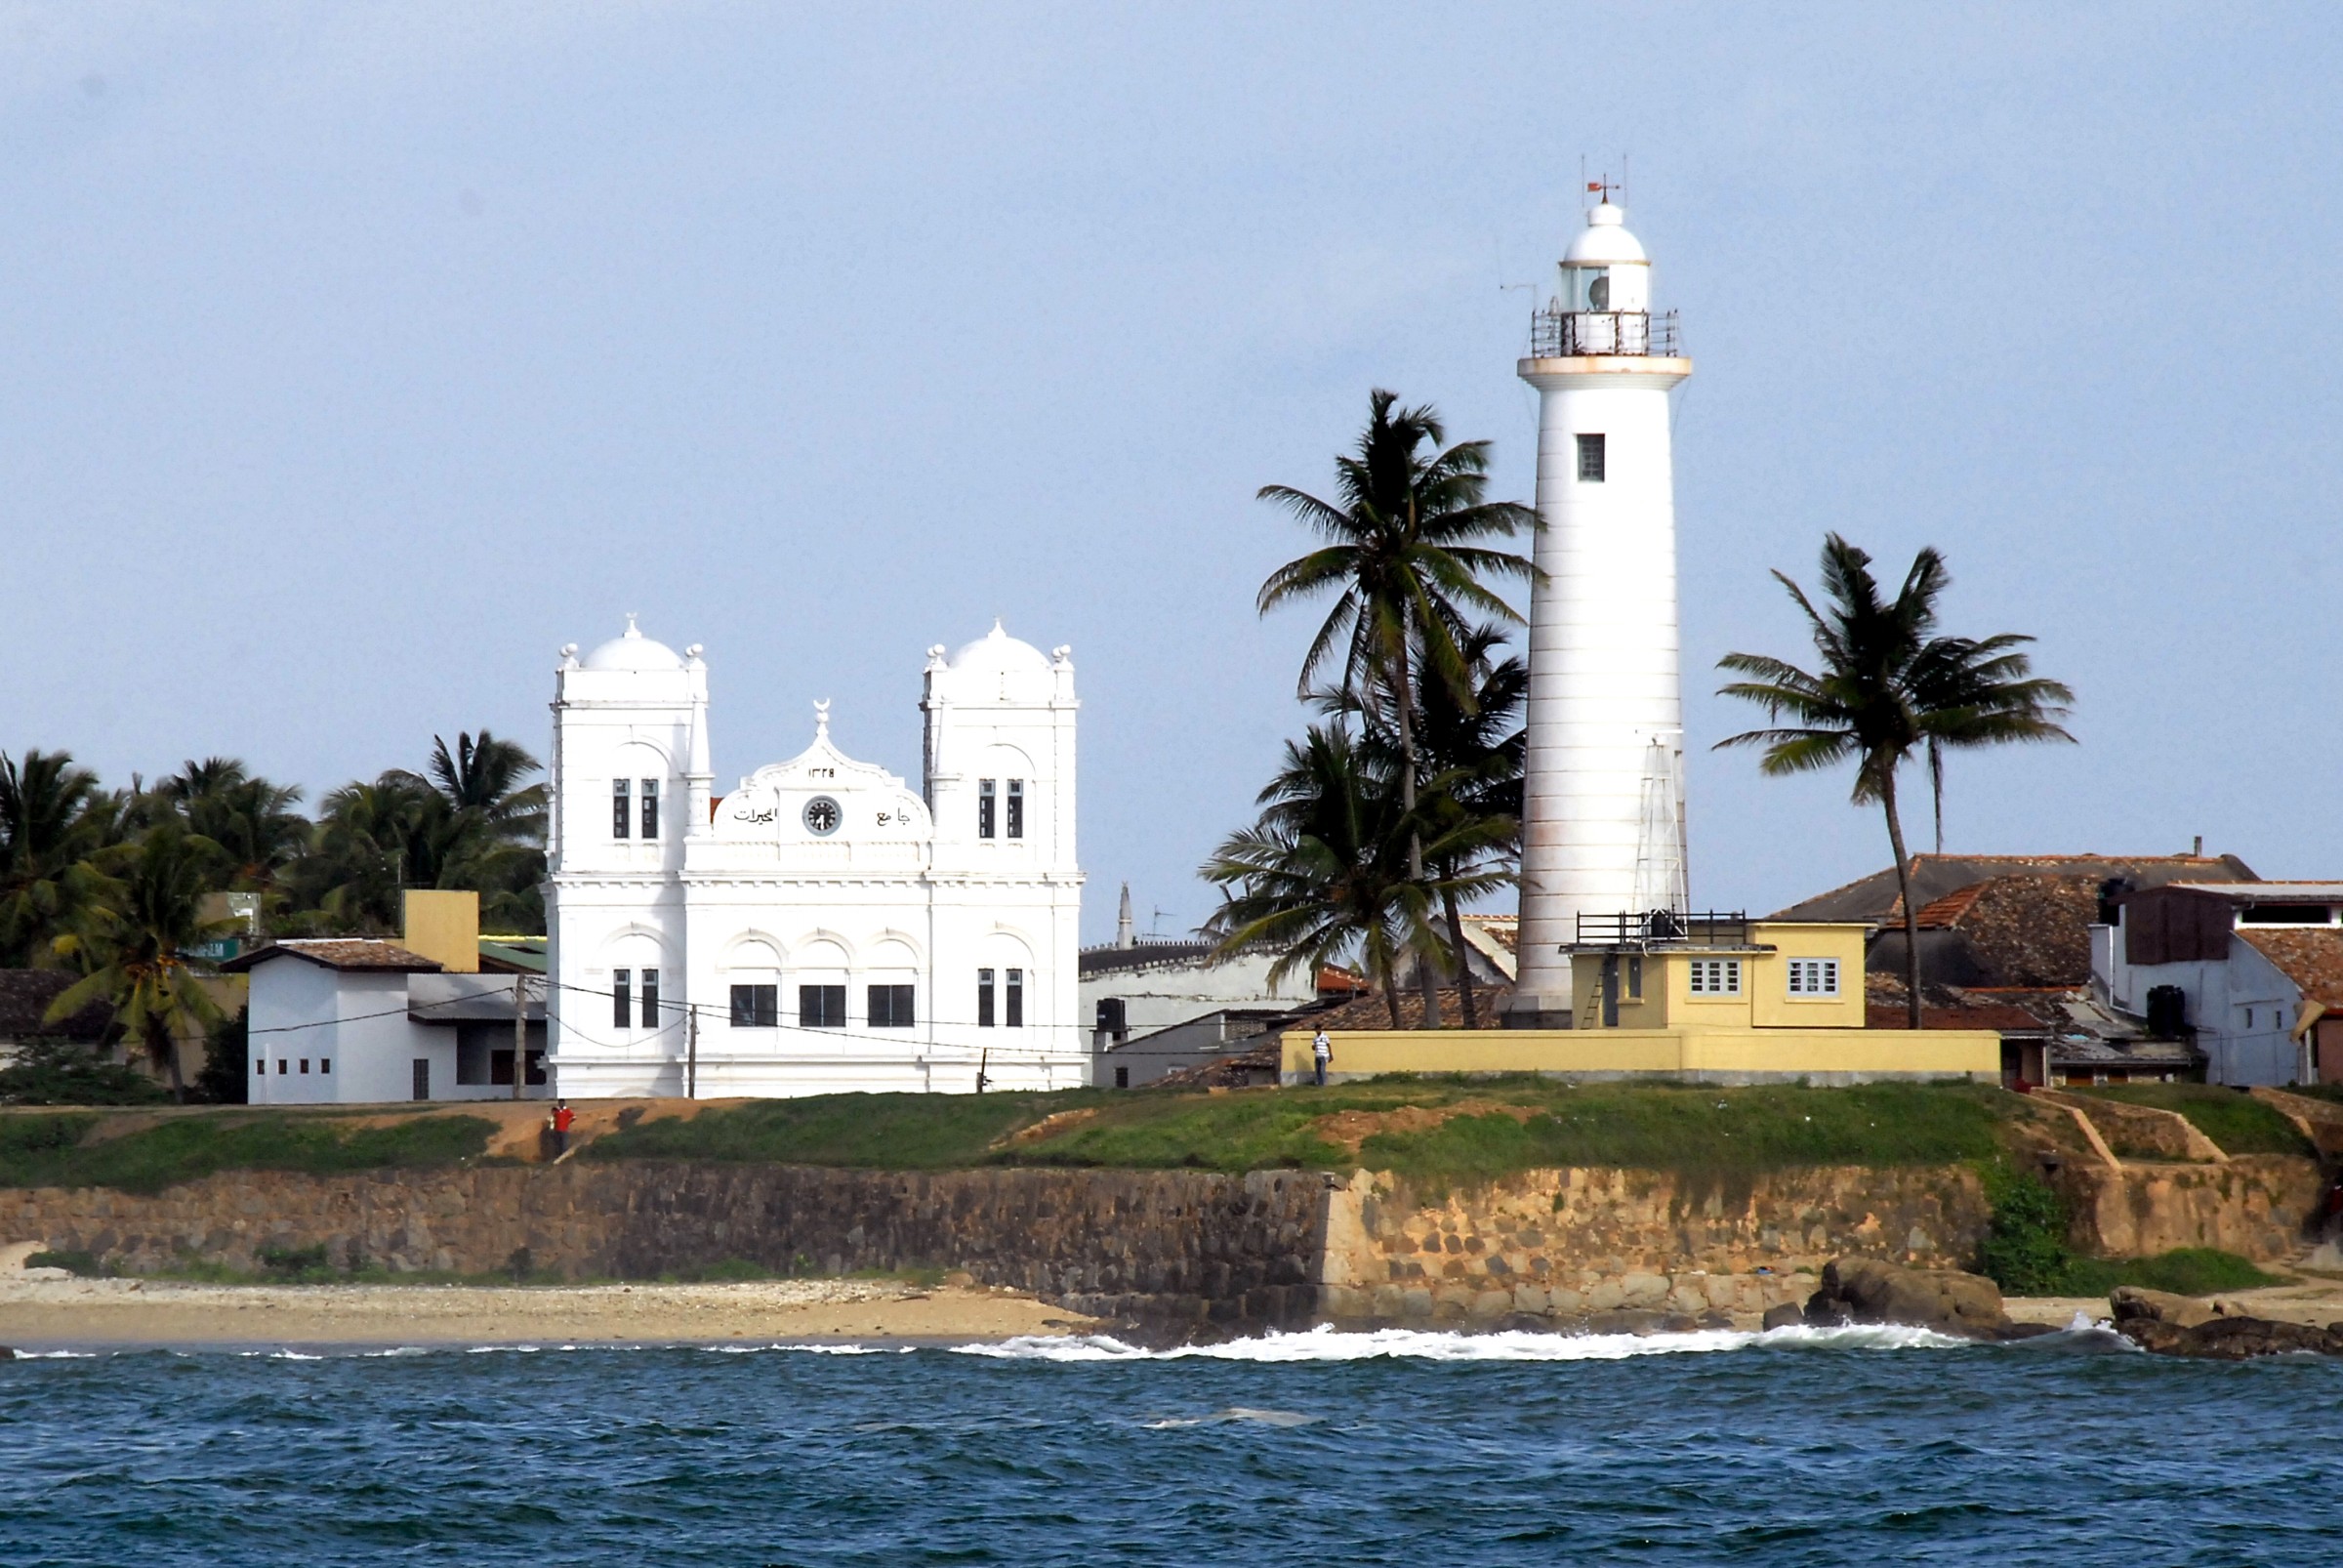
[822, 816]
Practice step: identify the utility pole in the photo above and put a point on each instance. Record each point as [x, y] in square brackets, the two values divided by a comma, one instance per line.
[520, 1034]
[691, 1052]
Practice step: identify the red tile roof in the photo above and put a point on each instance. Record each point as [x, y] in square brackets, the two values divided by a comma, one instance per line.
[2313, 959]
[1934, 876]
[339, 953]
[1372, 1011]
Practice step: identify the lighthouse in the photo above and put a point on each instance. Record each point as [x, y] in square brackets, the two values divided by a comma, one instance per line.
[1603, 829]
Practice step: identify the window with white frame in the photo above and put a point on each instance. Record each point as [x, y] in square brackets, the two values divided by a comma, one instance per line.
[1814, 978]
[1716, 976]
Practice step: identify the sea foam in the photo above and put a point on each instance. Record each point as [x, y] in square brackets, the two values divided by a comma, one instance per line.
[1327, 1343]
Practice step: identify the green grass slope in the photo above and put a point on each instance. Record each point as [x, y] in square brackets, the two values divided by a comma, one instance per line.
[1504, 1125]
[60, 1151]
[2237, 1122]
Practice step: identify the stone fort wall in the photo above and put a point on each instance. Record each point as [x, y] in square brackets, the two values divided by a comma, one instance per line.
[1174, 1248]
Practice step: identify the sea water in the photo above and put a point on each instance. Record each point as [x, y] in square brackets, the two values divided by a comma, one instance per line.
[1855, 1446]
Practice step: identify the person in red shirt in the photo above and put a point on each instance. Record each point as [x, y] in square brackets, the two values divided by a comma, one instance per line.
[563, 1118]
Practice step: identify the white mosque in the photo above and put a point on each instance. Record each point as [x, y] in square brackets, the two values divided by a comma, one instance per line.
[823, 927]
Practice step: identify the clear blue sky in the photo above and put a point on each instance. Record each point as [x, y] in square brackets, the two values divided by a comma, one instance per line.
[354, 357]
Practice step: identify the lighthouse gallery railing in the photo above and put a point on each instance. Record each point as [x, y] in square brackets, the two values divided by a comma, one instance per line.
[1561, 334]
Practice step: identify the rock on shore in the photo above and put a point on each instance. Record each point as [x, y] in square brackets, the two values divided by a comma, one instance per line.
[2183, 1325]
[1864, 1289]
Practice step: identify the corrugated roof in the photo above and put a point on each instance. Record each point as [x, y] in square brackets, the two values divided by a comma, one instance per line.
[2269, 893]
[1145, 956]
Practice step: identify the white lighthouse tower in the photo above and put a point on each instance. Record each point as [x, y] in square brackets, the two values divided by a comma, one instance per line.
[1603, 834]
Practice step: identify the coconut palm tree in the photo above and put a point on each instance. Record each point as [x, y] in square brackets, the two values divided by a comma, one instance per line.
[372, 840]
[1324, 871]
[1406, 560]
[1885, 685]
[1472, 752]
[129, 942]
[45, 826]
[491, 832]
[252, 820]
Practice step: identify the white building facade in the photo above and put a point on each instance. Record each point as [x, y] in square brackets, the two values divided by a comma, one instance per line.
[1603, 830]
[2251, 972]
[823, 927]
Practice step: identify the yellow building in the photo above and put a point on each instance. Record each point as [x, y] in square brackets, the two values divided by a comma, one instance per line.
[1709, 999]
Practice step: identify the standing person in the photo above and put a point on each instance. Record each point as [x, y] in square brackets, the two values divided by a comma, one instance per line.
[563, 1119]
[1322, 1052]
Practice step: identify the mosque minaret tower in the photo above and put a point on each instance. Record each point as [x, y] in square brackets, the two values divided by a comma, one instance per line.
[1603, 834]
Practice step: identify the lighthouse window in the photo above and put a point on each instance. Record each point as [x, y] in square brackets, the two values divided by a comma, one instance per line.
[984, 999]
[1591, 459]
[984, 807]
[619, 824]
[1016, 809]
[650, 808]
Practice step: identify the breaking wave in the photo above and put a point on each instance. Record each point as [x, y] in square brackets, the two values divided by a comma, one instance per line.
[1426, 1344]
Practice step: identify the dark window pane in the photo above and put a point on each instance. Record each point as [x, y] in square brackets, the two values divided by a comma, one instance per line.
[984, 808]
[755, 1007]
[1016, 809]
[618, 809]
[650, 808]
[1015, 1000]
[622, 1004]
[890, 1007]
[821, 1006]
[1591, 459]
[650, 999]
[984, 999]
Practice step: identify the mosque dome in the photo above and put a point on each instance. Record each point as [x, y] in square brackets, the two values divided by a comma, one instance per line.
[1605, 241]
[998, 652]
[633, 651]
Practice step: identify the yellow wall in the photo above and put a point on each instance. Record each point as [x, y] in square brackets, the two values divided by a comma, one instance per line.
[1765, 1003]
[445, 926]
[1740, 1053]
[1771, 1005]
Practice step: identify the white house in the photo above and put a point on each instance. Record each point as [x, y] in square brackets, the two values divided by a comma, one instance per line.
[824, 927]
[360, 1021]
[2251, 970]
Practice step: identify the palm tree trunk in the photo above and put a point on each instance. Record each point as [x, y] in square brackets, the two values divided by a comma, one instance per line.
[1380, 966]
[1456, 938]
[1911, 916]
[1428, 975]
[1936, 790]
[164, 1051]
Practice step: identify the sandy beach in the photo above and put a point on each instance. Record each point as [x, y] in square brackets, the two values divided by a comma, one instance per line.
[45, 1313]
[2314, 1299]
